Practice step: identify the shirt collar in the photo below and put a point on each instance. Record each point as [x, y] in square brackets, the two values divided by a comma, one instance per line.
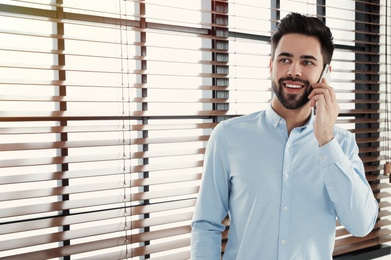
[275, 119]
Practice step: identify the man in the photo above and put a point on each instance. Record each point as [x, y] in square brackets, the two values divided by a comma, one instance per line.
[284, 175]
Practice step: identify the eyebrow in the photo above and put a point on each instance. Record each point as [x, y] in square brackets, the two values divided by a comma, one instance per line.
[304, 57]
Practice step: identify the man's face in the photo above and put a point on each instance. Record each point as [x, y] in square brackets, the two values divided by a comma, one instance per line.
[296, 65]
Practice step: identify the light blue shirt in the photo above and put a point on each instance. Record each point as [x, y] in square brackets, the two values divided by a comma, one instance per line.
[282, 192]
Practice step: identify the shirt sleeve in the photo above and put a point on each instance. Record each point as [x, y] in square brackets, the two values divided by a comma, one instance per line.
[344, 176]
[212, 202]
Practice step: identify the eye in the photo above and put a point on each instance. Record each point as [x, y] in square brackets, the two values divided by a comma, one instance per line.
[284, 60]
[308, 63]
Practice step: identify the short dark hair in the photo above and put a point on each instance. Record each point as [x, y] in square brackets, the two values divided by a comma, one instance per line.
[311, 26]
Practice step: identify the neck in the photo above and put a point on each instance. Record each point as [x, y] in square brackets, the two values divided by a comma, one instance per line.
[293, 117]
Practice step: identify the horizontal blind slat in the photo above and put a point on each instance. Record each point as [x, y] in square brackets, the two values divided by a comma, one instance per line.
[97, 230]
[92, 216]
[111, 202]
[97, 143]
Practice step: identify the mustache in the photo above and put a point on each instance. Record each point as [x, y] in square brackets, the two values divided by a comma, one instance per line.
[304, 82]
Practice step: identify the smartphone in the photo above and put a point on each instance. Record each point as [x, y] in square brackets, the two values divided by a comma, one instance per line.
[325, 75]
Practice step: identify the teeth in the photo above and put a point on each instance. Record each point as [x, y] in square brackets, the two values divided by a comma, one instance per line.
[293, 86]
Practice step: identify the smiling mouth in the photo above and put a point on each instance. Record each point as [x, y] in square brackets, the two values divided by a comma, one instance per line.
[294, 86]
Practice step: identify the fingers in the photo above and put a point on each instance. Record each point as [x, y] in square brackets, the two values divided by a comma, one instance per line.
[327, 95]
[324, 97]
[326, 91]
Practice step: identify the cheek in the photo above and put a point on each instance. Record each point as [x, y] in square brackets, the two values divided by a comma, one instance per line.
[277, 73]
[273, 68]
[272, 76]
[313, 77]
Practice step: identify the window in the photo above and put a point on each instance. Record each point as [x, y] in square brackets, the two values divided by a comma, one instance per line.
[107, 106]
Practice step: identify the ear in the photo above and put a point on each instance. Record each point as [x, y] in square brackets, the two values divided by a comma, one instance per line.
[270, 65]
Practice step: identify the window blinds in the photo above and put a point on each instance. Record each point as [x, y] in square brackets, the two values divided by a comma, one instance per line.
[107, 108]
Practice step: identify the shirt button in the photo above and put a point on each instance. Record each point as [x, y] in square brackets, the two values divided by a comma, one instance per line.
[321, 157]
[285, 208]
[283, 242]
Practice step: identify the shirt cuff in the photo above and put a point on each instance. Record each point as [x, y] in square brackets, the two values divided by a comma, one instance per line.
[330, 153]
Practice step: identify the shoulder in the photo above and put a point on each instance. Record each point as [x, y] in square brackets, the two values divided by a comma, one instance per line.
[242, 120]
[238, 126]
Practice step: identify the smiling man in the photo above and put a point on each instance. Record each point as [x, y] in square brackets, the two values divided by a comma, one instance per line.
[284, 175]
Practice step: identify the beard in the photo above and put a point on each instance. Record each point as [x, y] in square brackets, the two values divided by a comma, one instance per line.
[291, 101]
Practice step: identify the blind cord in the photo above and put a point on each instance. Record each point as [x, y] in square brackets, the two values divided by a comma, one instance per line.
[126, 148]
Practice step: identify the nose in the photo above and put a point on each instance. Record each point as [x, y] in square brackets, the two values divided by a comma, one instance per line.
[294, 70]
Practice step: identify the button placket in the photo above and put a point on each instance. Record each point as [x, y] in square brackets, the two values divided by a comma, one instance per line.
[285, 201]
